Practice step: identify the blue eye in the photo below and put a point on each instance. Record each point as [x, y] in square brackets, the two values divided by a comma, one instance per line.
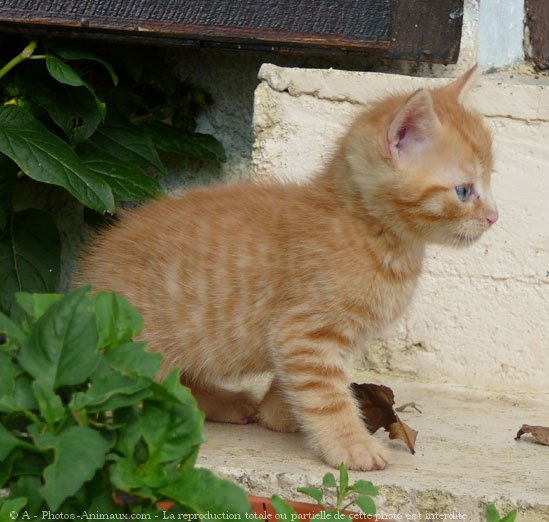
[464, 192]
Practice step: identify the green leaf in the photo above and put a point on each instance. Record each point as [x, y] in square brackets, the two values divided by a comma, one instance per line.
[49, 403]
[111, 391]
[510, 517]
[129, 434]
[7, 442]
[68, 53]
[171, 390]
[8, 179]
[312, 492]
[22, 399]
[28, 486]
[36, 304]
[132, 358]
[283, 510]
[9, 506]
[364, 487]
[155, 476]
[191, 145]
[202, 492]
[7, 375]
[128, 181]
[492, 514]
[103, 503]
[329, 481]
[78, 116]
[123, 475]
[12, 332]
[65, 74]
[79, 452]
[45, 157]
[366, 504]
[171, 430]
[62, 346]
[32, 462]
[118, 321]
[29, 256]
[6, 469]
[125, 141]
[343, 479]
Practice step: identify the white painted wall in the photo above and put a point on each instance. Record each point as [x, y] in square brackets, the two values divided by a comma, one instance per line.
[500, 33]
[481, 315]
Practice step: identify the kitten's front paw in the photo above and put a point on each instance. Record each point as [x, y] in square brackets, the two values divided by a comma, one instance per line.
[362, 453]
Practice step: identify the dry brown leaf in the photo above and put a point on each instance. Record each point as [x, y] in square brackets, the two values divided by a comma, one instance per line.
[401, 430]
[376, 402]
[404, 407]
[540, 433]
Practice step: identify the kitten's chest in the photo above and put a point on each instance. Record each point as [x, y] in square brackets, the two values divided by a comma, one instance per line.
[385, 303]
[386, 289]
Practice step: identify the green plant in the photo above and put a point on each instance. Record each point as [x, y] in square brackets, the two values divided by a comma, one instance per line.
[87, 119]
[359, 494]
[84, 425]
[492, 515]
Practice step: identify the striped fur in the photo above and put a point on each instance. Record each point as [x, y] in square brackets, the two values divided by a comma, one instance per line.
[292, 279]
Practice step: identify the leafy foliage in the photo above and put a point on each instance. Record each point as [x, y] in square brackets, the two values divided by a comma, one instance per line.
[492, 515]
[360, 494]
[29, 255]
[84, 425]
[91, 120]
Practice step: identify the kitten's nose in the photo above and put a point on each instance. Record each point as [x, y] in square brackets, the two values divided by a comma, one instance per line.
[492, 215]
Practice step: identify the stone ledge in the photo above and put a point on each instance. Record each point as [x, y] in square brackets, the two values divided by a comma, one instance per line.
[494, 96]
[466, 456]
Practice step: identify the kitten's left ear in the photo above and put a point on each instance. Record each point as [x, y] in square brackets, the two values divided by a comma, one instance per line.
[460, 87]
[415, 125]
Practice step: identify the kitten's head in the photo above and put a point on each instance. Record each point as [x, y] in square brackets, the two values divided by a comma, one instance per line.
[423, 164]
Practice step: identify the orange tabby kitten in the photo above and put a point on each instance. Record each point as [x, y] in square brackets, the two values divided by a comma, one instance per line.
[291, 279]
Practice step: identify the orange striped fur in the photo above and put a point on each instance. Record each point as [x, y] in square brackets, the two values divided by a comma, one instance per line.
[291, 279]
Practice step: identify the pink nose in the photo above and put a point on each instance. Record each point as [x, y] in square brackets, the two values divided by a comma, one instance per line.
[492, 216]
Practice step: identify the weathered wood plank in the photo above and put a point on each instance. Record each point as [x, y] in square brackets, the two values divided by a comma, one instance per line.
[426, 30]
[356, 24]
[422, 30]
[537, 19]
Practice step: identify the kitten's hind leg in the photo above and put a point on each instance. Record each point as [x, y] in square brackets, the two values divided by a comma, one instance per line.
[222, 405]
[274, 412]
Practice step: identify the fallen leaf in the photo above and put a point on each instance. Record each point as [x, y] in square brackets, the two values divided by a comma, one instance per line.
[540, 433]
[404, 407]
[401, 430]
[376, 402]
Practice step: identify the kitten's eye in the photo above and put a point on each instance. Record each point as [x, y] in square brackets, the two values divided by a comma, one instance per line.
[464, 192]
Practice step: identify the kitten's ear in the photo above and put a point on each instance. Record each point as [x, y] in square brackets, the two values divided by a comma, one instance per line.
[415, 125]
[460, 87]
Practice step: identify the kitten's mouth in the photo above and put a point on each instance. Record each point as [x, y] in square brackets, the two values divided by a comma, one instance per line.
[466, 239]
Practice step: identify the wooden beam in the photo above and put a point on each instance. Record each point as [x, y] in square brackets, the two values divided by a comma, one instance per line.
[349, 24]
[537, 19]
[426, 30]
[422, 30]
